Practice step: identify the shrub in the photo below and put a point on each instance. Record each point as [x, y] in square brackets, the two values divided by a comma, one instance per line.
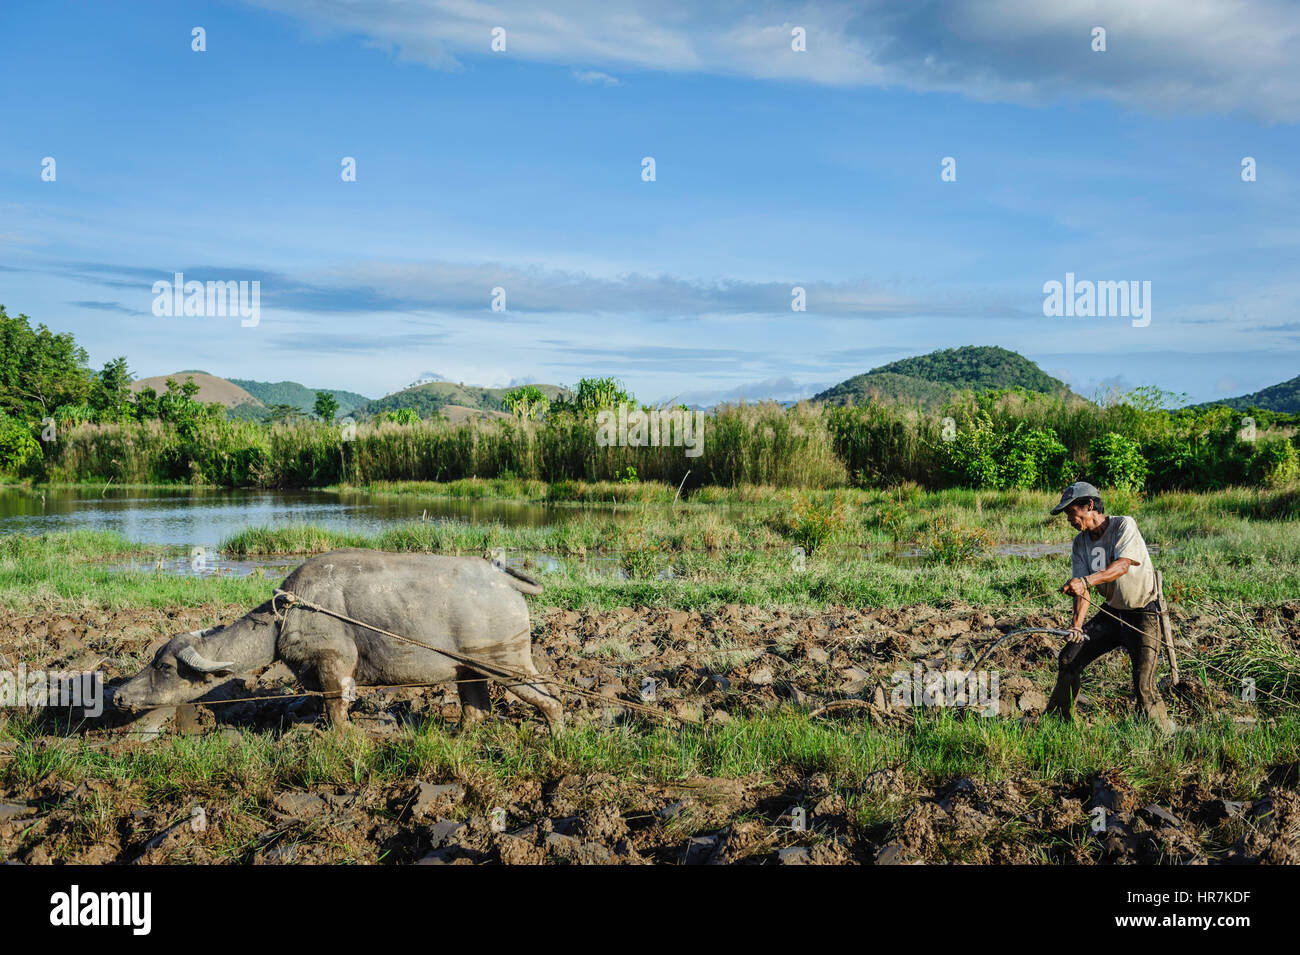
[945, 541]
[970, 458]
[815, 522]
[1275, 462]
[1033, 457]
[1117, 462]
[888, 516]
[981, 456]
[640, 557]
[17, 446]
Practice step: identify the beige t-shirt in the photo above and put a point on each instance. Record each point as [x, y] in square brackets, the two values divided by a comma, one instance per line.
[1121, 538]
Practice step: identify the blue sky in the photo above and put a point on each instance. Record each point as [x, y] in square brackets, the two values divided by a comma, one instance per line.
[522, 170]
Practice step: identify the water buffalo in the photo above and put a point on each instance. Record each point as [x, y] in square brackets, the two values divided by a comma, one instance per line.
[462, 604]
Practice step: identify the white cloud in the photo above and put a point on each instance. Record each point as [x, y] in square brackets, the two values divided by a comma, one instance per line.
[781, 389]
[1162, 55]
[594, 77]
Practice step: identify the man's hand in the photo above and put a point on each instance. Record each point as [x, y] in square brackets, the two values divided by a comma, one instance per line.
[1076, 635]
[1075, 587]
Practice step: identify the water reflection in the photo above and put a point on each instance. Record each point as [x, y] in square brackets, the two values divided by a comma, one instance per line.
[202, 517]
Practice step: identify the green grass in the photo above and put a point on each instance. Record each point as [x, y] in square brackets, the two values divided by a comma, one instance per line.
[76, 569]
[718, 553]
[1256, 654]
[737, 547]
[531, 490]
[497, 756]
[765, 517]
[502, 765]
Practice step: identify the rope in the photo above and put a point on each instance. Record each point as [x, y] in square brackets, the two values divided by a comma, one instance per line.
[326, 694]
[1203, 663]
[839, 705]
[494, 670]
[292, 600]
[502, 674]
[1209, 666]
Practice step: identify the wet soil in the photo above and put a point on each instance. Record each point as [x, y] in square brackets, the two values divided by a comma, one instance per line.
[712, 667]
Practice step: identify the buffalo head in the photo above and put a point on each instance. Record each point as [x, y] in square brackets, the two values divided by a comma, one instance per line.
[179, 673]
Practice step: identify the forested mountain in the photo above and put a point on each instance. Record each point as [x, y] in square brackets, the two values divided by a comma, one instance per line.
[930, 379]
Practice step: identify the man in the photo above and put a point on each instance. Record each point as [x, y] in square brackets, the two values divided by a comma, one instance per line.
[1110, 555]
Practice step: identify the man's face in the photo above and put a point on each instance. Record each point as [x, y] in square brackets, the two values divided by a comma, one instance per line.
[1077, 514]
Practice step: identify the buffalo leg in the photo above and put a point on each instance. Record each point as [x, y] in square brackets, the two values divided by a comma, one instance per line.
[536, 694]
[335, 671]
[475, 700]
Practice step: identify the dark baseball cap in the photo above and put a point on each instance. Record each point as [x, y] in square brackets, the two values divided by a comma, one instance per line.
[1076, 491]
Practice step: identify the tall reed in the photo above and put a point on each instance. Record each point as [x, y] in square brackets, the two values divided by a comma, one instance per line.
[804, 446]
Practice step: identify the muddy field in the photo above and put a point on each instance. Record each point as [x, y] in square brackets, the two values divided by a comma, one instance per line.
[713, 668]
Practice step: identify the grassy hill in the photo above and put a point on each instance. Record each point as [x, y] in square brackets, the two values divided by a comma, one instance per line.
[929, 379]
[300, 396]
[1284, 396]
[211, 388]
[435, 396]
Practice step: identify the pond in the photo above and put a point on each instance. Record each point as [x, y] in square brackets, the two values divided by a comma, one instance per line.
[190, 523]
[202, 517]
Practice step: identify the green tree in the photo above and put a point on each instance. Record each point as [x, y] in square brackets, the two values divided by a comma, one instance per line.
[17, 446]
[327, 406]
[528, 401]
[110, 396]
[146, 404]
[278, 413]
[179, 406]
[39, 370]
[592, 395]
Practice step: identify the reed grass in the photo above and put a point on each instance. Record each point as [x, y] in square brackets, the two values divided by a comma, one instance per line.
[803, 447]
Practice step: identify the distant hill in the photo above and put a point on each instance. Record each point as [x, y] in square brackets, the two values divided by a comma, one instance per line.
[930, 379]
[300, 396]
[434, 397]
[458, 413]
[1284, 396]
[424, 377]
[211, 388]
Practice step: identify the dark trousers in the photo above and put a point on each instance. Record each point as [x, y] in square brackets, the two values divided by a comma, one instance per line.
[1104, 633]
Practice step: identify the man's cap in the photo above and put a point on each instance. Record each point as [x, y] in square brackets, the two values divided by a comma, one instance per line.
[1075, 492]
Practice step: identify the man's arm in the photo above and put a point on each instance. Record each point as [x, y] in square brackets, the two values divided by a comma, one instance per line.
[1077, 587]
[1115, 571]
